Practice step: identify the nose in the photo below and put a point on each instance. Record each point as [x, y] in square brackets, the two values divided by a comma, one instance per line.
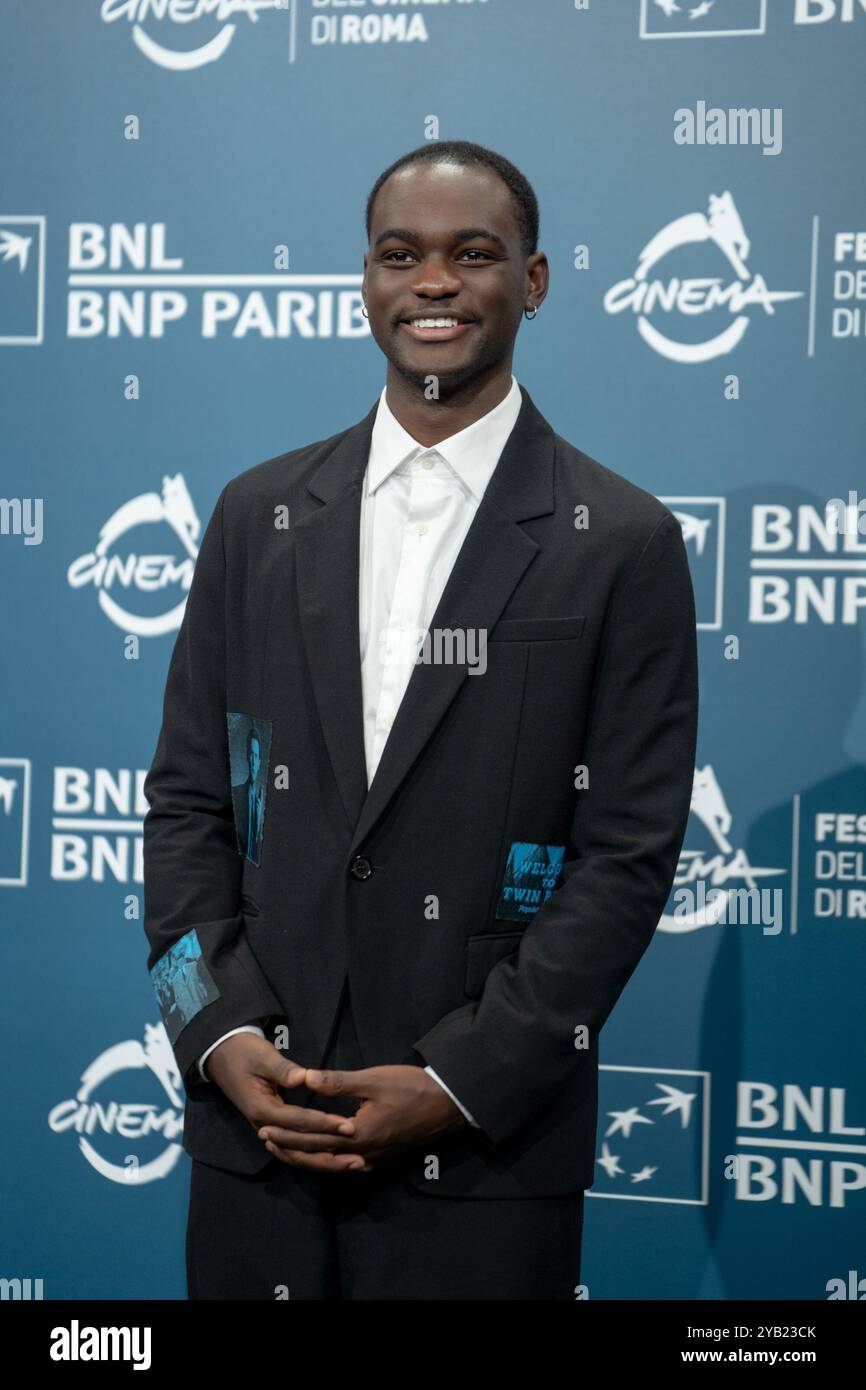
[435, 278]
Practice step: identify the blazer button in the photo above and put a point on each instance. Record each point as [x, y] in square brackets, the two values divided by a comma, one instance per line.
[361, 867]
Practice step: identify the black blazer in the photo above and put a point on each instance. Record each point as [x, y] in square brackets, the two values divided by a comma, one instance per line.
[485, 903]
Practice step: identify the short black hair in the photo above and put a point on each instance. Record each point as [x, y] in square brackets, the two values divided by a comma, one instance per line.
[465, 153]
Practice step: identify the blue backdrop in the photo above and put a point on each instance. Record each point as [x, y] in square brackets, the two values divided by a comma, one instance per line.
[181, 242]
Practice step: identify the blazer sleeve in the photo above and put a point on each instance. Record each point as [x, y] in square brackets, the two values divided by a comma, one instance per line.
[508, 1054]
[206, 978]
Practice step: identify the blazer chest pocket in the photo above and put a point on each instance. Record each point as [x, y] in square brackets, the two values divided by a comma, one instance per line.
[537, 629]
[482, 953]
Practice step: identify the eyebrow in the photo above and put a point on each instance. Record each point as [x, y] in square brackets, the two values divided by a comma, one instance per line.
[462, 234]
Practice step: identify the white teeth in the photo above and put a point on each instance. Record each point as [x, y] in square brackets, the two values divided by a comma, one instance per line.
[435, 323]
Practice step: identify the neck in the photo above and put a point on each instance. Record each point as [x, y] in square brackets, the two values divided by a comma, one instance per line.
[432, 421]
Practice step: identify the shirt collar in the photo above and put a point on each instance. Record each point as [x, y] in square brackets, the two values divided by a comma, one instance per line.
[473, 452]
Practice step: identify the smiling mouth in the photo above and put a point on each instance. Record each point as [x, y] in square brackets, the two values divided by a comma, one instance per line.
[436, 328]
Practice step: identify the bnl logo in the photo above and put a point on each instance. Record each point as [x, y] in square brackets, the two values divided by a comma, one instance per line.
[22, 279]
[703, 525]
[702, 19]
[653, 1135]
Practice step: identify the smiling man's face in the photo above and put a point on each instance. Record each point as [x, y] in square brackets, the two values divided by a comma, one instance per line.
[445, 242]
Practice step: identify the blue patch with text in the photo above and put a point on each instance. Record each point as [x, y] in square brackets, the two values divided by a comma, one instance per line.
[532, 874]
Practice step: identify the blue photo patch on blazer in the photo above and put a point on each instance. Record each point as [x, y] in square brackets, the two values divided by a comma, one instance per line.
[249, 759]
[532, 873]
[183, 984]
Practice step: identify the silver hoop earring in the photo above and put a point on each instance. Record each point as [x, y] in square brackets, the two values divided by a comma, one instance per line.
[364, 312]
[527, 315]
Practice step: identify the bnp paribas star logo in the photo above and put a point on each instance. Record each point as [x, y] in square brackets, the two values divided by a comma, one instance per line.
[702, 19]
[22, 278]
[186, 34]
[654, 1135]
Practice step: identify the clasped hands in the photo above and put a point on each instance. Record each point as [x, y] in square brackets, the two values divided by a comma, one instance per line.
[400, 1107]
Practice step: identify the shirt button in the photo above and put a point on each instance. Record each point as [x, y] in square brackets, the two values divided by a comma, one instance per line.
[427, 463]
[360, 867]
[422, 530]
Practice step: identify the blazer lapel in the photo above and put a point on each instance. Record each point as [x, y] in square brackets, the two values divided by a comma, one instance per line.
[491, 562]
[327, 555]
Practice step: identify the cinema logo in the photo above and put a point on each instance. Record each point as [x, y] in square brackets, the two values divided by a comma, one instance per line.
[123, 282]
[116, 568]
[97, 825]
[794, 1145]
[172, 21]
[106, 1125]
[807, 565]
[688, 299]
[715, 883]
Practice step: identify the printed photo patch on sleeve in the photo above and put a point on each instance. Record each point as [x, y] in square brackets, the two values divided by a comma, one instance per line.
[532, 873]
[183, 984]
[249, 758]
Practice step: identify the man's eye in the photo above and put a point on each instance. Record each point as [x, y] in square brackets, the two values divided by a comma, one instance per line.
[472, 251]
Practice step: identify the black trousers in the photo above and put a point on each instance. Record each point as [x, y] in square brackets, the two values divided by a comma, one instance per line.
[287, 1233]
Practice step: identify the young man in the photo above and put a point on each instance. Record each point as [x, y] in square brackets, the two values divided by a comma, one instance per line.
[467, 653]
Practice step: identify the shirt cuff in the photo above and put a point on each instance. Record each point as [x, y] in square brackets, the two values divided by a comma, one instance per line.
[244, 1028]
[461, 1108]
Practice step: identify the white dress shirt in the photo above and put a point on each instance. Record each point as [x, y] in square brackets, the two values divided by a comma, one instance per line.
[417, 505]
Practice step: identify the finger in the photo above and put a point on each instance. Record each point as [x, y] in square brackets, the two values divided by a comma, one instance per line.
[341, 1083]
[306, 1143]
[295, 1117]
[286, 1073]
[320, 1163]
